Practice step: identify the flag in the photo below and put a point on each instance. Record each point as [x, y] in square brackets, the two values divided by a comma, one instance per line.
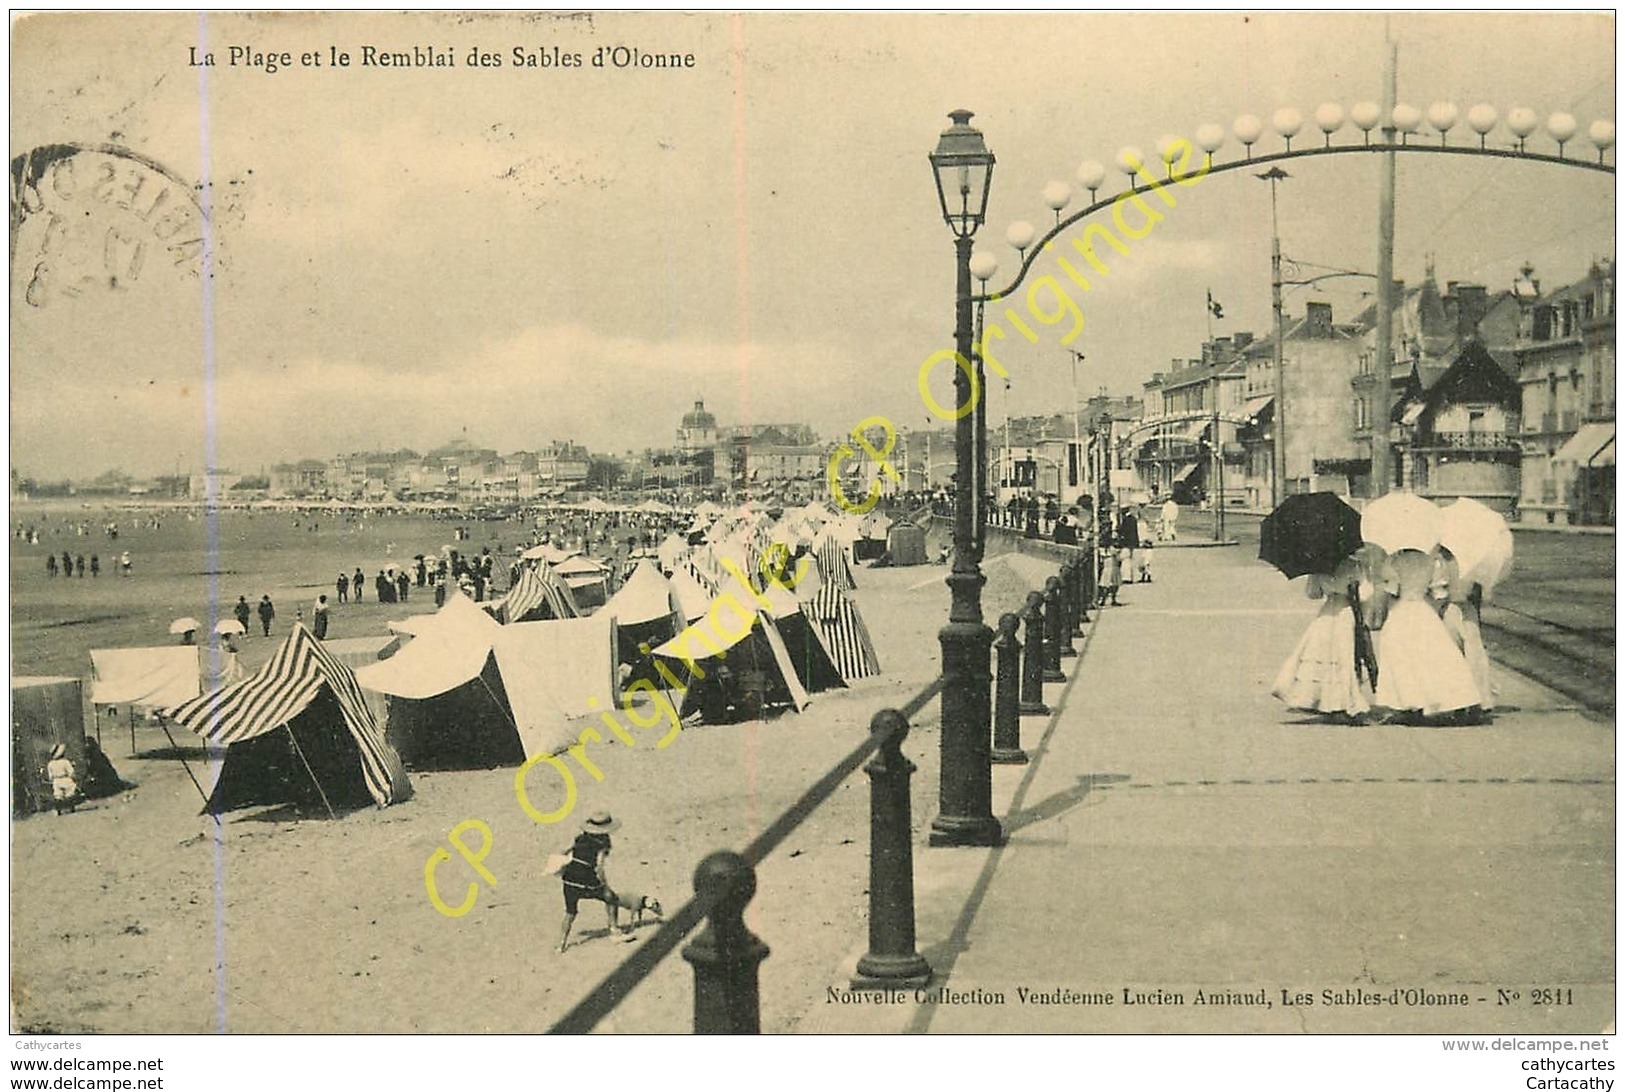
[1214, 305]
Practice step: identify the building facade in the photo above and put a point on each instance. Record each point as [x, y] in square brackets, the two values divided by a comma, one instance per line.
[1565, 370]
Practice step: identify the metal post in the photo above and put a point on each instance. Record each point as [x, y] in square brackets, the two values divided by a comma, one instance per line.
[1278, 464]
[1072, 586]
[1007, 699]
[1052, 631]
[892, 960]
[965, 796]
[725, 956]
[1086, 583]
[1381, 473]
[1066, 598]
[1032, 658]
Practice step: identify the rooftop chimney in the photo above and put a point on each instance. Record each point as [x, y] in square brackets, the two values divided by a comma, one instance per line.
[1317, 318]
[1472, 303]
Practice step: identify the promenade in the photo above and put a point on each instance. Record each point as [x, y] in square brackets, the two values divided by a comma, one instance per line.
[1179, 835]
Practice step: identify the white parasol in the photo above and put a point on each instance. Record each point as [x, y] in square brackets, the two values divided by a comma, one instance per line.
[1480, 540]
[184, 625]
[229, 627]
[1402, 521]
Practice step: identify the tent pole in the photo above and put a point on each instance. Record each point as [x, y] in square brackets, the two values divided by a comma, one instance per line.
[311, 772]
[176, 747]
[501, 705]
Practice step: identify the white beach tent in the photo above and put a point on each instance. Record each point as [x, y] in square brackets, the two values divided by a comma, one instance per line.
[149, 678]
[692, 599]
[474, 692]
[646, 610]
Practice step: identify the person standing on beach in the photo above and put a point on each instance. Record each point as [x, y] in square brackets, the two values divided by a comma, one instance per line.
[267, 612]
[50, 565]
[124, 563]
[358, 584]
[318, 618]
[242, 612]
[343, 586]
[95, 566]
[79, 566]
[584, 877]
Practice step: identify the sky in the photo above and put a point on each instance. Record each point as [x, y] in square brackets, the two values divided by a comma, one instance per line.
[524, 254]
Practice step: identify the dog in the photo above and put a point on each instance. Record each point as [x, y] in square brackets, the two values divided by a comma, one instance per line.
[638, 904]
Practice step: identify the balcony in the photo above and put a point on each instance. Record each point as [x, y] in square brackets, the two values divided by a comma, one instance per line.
[1468, 441]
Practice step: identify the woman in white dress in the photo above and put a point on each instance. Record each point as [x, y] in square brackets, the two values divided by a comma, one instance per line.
[1461, 600]
[1321, 675]
[1421, 674]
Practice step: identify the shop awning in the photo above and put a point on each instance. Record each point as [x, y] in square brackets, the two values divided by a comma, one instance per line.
[1593, 445]
[1185, 471]
[1256, 406]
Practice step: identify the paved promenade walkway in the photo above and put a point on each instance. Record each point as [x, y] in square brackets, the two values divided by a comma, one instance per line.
[1180, 837]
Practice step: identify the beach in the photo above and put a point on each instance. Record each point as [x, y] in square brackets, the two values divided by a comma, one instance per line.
[137, 914]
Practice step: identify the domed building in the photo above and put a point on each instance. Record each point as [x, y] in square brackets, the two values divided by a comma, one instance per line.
[698, 432]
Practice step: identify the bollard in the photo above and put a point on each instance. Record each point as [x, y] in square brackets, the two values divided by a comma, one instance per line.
[1032, 660]
[1086, 583]
[1052, 631]
[892, 961]
[1007, 698]
[1066, 598]
[726, 955]
[1075, 596]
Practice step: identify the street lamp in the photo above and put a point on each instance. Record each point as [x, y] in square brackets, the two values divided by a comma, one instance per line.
[964, 173]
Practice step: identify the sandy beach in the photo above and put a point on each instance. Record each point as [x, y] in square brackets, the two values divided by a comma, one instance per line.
[138, 915]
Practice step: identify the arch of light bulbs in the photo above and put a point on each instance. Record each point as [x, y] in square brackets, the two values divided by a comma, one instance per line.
[1404, 123]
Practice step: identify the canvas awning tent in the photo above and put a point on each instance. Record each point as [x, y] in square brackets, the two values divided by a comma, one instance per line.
[554, 672]
[549, 553]
[646, 611]
[45, 710]
[735, 637]
[587, 580]
[692, 599]
[329, 753]
[802, 641]
[148, 678]
[672, 550]
[469, 692]
[448, 648]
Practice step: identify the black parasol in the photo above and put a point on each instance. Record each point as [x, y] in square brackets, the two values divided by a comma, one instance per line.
[1309, 533]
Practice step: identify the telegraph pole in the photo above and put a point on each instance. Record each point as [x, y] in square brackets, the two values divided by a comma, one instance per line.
[1381, 473]
[1278, 486]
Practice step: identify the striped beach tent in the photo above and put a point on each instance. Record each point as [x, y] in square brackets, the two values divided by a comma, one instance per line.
[538, 594]
[330, 750]
[834, 560]
[841, 627]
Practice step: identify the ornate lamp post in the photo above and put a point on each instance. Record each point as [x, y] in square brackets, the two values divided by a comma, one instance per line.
[964, 172]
